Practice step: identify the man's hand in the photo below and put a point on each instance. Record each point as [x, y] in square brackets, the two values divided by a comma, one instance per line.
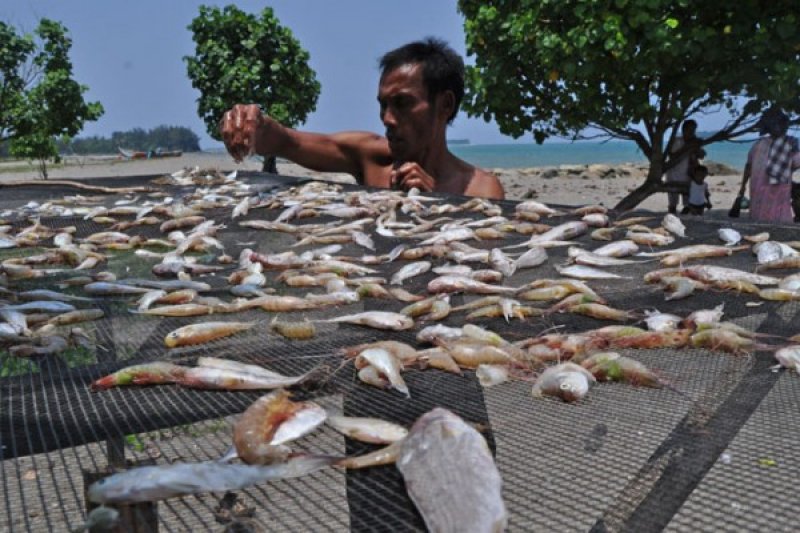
[410, 175]
[240, 130]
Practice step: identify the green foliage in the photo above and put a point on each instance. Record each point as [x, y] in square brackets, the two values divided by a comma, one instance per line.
[634, 69]
[241, 58]
[166, 137]
[39, 100]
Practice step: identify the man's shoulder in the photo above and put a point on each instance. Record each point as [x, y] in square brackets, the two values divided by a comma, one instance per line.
[484, 184]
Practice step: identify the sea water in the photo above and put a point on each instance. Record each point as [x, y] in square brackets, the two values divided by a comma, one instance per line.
[582, 153]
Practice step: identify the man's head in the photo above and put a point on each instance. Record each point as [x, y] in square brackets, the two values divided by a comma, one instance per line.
[774, 123]
[442, 68]
[700, 173]
[421, 87]
[689, 129]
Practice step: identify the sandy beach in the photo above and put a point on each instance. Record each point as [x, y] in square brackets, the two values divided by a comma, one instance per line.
[565, 184]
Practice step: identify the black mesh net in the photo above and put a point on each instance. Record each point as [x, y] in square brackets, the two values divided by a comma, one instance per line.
[712, 453]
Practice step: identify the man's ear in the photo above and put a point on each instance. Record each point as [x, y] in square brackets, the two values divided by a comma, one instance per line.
[447, 104]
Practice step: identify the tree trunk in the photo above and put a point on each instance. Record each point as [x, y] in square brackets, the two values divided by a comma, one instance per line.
[270, 164]
[652, 184]
[43, 169]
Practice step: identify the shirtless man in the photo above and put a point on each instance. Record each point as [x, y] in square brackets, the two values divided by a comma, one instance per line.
[421, 87]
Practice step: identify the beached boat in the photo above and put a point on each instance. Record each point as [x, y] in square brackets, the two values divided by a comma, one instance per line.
[152, 154]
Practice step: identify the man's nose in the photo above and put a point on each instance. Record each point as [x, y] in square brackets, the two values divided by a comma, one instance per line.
[388, 118]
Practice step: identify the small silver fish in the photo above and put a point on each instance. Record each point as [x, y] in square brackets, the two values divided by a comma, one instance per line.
[674, 225]
[372, 430]
[585, 272]
[409, 271]
[377, 320]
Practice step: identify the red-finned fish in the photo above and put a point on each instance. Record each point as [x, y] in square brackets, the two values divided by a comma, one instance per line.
[204, 332]
[155, 373]
[262, 431]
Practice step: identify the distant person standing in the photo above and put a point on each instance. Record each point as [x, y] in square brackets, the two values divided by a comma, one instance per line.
[699, 196]
[682, 171]
[770, 164]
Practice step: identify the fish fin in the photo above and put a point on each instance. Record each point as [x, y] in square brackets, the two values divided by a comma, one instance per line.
[229, 455]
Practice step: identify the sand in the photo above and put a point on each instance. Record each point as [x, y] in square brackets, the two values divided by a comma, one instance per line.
[566, 184]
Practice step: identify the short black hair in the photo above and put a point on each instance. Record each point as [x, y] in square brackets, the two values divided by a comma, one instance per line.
[689, 124]
[442, 67]
[702, 169]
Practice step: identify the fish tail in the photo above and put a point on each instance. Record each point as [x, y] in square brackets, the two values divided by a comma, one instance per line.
[103, 383]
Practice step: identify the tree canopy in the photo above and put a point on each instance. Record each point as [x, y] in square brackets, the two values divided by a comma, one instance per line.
[243, 58]
[631, 69]
[39, 100]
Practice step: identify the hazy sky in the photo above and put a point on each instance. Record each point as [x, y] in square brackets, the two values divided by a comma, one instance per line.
[130, 54]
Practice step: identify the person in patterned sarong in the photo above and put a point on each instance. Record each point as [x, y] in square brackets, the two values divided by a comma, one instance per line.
[770, 164]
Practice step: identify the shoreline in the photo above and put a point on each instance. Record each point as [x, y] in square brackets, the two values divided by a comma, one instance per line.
[563, 184]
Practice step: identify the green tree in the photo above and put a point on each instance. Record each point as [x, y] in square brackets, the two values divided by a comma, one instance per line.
[631, 69]
[39, 100]
[241, 58]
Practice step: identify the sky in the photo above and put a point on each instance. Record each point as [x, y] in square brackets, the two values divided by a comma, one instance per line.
[130, 55]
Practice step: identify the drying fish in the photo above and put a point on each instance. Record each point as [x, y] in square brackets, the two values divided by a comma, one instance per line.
[45, 345]
[583, 257]
[603, 234]
[153, 483]
[204, 332]
[371, 430]
[501, 262]
[532, 206]
[149, 298]
[491, 375]
[74, 317]
[187, 309]
[438, 358]
[44, 294]
[613, 367]
[705, 317]
[657, 321]
[444, 237]
[758, 237]
[294, 330]
[627, 222]
[711, 274]
[621, 248]
[409, 271]
[568, 381]
[585, 272]
[649, 239]
[784, 262]
[470, 353]
[729, 236]
[386, 364]
[439, 333]
[602, 312]
[377, 320]
[532, 258]
[262, 431]
[468, 497]
[769, 251]
[45, 306]
[103, 288]
[596, 220]
[156, 373]
[789, 357]
[384, 456]
[723, 340]
[219, 374]
[790, 283]
[563, 232]
[674, 225]
[464, 284]
[778, 295]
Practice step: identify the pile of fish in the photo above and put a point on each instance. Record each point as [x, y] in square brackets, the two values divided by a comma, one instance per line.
[472, 247]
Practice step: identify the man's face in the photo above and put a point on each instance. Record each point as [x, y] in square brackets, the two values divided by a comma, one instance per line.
[410, 119]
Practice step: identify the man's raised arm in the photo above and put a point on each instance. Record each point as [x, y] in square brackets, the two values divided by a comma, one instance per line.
[246, 130]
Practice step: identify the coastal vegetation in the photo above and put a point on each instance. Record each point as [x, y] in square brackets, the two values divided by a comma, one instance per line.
[165, 137]
[631, 69]
[39, 99]
[244, 58]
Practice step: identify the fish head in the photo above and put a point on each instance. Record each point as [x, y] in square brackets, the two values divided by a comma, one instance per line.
[171, 340]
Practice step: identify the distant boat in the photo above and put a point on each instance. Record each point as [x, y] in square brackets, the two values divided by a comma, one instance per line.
[153, 154]
[457, 141]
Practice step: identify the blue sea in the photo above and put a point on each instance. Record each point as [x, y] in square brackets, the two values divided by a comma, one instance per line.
[578, 153]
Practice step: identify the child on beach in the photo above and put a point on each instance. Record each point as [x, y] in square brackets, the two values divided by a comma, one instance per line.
[699, 197]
